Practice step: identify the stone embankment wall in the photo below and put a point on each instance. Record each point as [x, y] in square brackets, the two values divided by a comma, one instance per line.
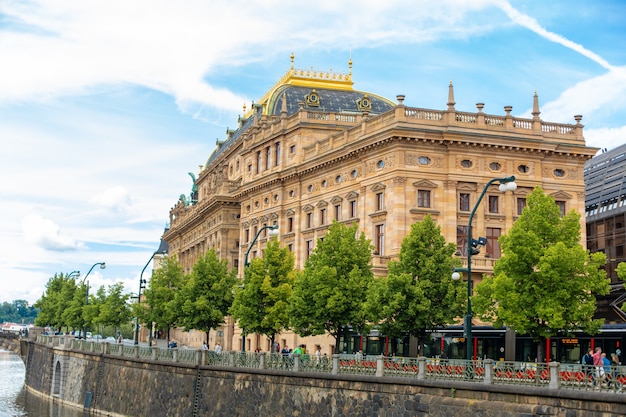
[115, 386]
[11, 343]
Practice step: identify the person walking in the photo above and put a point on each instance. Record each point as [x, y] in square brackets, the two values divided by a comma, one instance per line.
[597, 363]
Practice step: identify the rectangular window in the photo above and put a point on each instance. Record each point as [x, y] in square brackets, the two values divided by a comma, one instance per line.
[289, 224]
[461, 240]
[521, 203]
[268, 157]
[493, 204]
[493, 246]
[379, 240]
[380, 201]
[292, 149]
[338, 212]
[464, 201]
[309, 220]
[277, 157]
[259, 158]
[255, 230]
[561, 205]
[236, 263]
[309, 248]
[246, 235]
[353, 209]
[322, 216]
[290, 247]
[264, 230]
[423, 198]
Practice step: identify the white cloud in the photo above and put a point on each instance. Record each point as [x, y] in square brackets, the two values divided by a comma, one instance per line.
[47, 234]
[115, 198]
[605, 137]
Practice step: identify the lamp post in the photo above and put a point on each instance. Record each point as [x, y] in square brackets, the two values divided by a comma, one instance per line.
[102, 266]
[73, 274]
[142, 285]
[273, 231]
[506, 184]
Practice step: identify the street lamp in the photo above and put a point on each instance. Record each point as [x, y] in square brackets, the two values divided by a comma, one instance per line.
[273, 231]
[142, 285]
[73, 274]
[506, 184]
[102, 266]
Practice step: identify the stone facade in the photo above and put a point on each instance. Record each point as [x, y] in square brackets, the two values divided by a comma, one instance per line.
[310, 152]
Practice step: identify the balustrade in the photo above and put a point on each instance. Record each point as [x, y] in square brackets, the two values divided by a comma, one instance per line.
[552, 375]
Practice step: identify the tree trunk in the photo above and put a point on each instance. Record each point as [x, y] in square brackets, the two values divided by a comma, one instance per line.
[541, 348]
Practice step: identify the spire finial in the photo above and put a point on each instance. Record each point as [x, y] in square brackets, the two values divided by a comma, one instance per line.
[536, 111]
[292, 59]
[451, 102]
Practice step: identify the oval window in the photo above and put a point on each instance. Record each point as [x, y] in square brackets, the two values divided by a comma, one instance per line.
[324, 183]
[466, 163]
[380, 164]
[291, 193]
[559, 172]
[424, 160]
[354, 173]
[523, 169]
[338, 179]
[310, 188]
[495, 166]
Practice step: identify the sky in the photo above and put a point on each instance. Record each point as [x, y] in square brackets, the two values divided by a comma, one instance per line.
[106, 105]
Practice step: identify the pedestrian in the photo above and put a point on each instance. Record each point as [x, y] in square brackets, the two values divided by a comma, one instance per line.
[597, 362]
[606, 370]
[205, 346]
[218, 348]
[359, 355]
[119, 338]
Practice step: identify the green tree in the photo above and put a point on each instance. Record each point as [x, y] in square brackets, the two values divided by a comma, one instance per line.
[329, 295]
[206, 297]
[59, 292]
[114, 309]
[418, 294]
[158, 305]
[546, 282]
[261, 305]
[74, 312]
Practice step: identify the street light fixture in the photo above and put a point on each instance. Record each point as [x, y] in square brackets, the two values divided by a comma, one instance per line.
[273, 231]
[506, 184]
[142, 285]
[73, 274]
[102, 266]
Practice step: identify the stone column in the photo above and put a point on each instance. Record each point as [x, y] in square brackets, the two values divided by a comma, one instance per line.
[555, 382]
[421, 367]
[380, 365]
[296, 362]
[335, 370]
[488, 371]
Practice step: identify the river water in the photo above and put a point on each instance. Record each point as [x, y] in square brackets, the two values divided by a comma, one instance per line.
[16, 401]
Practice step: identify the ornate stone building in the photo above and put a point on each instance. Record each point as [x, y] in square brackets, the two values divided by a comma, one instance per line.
[314, 150]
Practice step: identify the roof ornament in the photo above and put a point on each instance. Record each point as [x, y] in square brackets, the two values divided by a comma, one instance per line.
[451, 101]
[536, 111]
[364, 104]
[312, 99]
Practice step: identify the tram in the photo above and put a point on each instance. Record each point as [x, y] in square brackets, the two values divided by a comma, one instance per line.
[488, 343]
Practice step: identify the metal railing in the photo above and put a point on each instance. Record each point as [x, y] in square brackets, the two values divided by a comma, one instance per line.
[551, 375]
